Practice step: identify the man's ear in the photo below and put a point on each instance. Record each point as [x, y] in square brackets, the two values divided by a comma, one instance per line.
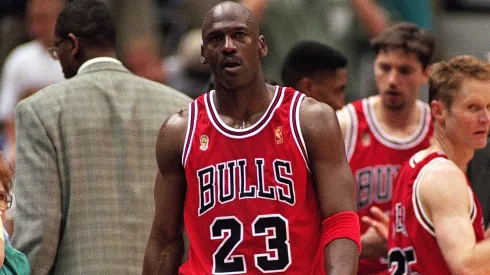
[438, 111]
[263, 50]
[76, 44]
[203, 59]
[307, 86]
[427, 72]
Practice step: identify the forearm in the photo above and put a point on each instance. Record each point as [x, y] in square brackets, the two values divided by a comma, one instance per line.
[341, 257]
[372, 249]
[373, 18]
[165, 259]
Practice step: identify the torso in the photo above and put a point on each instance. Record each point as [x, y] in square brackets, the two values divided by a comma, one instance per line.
[375, 158]
[266, 218]
[412, 245]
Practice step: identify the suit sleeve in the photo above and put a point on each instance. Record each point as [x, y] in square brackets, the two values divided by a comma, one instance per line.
[37, 191]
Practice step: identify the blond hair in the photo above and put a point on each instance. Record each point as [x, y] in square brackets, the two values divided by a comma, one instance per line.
[447, 78]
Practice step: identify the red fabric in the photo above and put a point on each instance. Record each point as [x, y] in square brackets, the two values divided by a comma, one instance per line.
[251, 184]
[341, 225]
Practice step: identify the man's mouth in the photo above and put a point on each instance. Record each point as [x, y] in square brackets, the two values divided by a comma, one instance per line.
[231, 65]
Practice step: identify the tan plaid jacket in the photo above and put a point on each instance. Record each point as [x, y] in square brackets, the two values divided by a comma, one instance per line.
[85, 171]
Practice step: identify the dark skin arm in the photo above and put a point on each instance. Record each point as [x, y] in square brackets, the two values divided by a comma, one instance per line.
[334, 182]
[166, 245]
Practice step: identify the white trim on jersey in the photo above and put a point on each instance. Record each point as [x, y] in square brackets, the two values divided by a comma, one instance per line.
[473, 208]
[351, 129]
[422, 217]
[294, 117]
[393, 142]
[264, 120]
[191, 128]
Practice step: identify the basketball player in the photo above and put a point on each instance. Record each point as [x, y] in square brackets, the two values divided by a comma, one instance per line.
[317, 70]
[383, 131]
[256, 172]
[436, 224]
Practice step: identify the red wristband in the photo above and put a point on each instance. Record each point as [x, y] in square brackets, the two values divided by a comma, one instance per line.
[342, 225]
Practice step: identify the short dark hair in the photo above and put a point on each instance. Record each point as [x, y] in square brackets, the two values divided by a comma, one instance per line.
[90, 20]
[409, 37]
[447, 78]
[308, 58]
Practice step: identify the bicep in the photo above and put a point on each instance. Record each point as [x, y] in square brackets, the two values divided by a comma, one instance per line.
[170, 183]
[331, 172]
[452, 222]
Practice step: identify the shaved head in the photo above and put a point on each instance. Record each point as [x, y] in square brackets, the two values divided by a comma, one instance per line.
[229, 9]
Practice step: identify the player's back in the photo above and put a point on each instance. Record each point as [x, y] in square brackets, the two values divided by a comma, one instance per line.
[375, 158]
[412, 245]
[250, 203]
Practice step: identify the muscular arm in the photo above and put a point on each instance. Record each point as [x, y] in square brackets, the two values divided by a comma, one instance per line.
[165, 245]
[333, 178]
[452, 221]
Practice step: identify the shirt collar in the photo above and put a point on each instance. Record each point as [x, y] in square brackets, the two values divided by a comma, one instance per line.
[97, 60]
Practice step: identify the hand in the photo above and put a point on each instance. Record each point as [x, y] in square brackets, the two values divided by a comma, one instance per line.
[380, 221]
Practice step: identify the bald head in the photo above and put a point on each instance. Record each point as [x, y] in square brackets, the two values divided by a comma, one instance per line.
[229, 10]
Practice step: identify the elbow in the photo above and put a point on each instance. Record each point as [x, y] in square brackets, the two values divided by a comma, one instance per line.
[470, 267]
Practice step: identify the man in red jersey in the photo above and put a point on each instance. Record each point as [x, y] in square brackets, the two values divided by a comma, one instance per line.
[257, 173]
[436, 224]
[383, 131]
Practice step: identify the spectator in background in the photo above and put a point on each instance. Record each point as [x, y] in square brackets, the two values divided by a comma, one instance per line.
[185, 72]
[86, 158]
[29, 67]
[142, 57]
[12, 261]
[317, 70]
[13, 31]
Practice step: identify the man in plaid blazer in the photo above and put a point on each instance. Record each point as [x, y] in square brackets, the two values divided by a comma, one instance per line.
[85, 155]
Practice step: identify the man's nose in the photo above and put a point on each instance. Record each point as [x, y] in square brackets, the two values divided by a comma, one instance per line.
[229, 44]
[393, 77]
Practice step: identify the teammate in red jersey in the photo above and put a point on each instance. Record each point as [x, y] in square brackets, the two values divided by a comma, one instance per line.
[436, 224]
[257, 173]
[383, 131]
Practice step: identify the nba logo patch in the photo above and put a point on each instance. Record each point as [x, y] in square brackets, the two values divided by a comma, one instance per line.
[278, 135]
[204, 140]
[366, 139]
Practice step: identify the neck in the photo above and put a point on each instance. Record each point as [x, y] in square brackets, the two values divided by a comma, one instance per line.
[93, 53]
[441, 142]
[243, 106]
[397, 118]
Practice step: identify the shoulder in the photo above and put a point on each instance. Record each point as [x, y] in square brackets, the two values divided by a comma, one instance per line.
[347, 115]
[171, 136]
[155, 89]
[442, 182]
[175, 124]
[318, 120]
[316, 112]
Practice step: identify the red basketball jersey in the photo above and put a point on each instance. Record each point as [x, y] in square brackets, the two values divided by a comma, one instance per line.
[412, 245]
[250, 205]
[375, 159]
